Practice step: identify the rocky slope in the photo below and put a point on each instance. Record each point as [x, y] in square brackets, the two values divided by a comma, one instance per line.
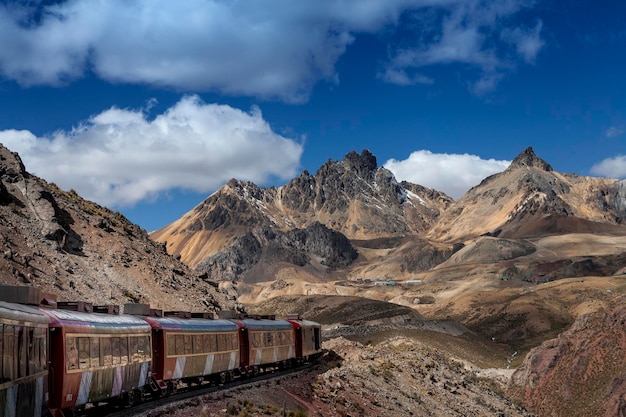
[580, 373]
[398, 377]
[78, 250]
[265, 248]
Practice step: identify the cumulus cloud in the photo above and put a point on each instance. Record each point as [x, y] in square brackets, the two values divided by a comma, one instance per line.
[454, 174]
[614, 167]
[275, 49]
[121, 156]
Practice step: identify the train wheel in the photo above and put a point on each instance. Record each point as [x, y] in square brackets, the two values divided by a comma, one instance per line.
[129, 399]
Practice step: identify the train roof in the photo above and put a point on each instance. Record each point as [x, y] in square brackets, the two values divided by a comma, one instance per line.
[22, 313]
[305, 323]
[97, 322]
[254, 324]
[193, 325]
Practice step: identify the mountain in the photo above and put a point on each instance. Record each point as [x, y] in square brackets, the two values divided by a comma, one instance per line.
[80, 251]
[517, 259]
[353, 197]
[401, 229]
[530, 199]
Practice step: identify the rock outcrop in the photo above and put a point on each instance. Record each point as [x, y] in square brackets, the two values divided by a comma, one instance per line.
[315, 244]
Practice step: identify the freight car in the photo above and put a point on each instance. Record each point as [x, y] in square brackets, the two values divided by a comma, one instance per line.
[55, 361]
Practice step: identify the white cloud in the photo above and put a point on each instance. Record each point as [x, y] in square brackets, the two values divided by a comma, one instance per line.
[474, 34]
[614, 131]
[454, 174]
[614, 167]
[119, 157]
[266, 48]
[527, 42]
[401, 77]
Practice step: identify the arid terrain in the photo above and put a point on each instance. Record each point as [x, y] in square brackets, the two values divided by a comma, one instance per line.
[509, 298]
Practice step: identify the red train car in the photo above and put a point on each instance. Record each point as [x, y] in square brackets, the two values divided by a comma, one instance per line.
[193, 350]
[308, 337]
[96, 358]
[23, 360]
[265, 343]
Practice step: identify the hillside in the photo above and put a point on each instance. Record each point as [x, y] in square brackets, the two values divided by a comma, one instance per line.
[78, 250]
[580, 373]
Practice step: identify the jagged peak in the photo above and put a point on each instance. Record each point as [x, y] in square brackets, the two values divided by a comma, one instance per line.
[528, 158]
[11, 164]
[365, 164]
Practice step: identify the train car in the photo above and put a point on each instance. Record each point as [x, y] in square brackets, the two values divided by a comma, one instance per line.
[96, 358]
[265, 343]
[24, 362]
[192, 350]
[308, 337]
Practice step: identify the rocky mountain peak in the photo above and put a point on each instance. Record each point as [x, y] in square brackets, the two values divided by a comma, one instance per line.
[528, 158]
[364, 165]
[11, 165]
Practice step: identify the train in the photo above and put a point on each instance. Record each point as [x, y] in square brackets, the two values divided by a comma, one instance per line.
[56, 358]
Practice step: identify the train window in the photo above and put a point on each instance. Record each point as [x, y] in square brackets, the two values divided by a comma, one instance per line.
[269, 339]
[233, 341]
[206, 343]
[171, 344]
[71, 353]
[143, 348]
[147, 347]
[115, 351]
[8, 354]
[33, 353]
[124, 350]
[83, 352]
[134, 349]
[188, 344]
[197, 344]
[42, 335]
[210, 343]
[180, 344]
[94, 352]
[22, 351]
[105, 351]
[221, 342]
[256, 340]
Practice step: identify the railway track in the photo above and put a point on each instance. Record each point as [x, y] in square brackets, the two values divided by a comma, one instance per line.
[187, 393]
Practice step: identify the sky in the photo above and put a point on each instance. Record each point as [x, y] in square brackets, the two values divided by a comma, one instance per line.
[149, 106]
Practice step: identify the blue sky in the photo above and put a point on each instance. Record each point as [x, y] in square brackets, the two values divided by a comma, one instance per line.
[149, 106]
